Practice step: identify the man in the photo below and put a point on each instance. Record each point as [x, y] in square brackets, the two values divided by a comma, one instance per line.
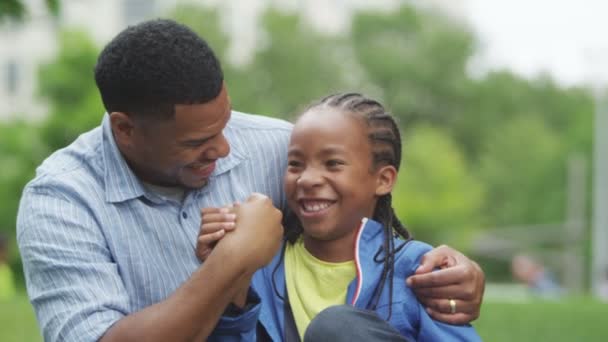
[107, 229]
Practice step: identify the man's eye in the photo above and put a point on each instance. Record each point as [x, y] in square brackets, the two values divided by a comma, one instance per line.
[294, 163]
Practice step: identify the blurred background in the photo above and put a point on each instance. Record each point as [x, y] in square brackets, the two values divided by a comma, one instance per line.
[502, 105]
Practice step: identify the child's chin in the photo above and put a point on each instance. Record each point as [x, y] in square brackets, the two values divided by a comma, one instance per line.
[319, 235]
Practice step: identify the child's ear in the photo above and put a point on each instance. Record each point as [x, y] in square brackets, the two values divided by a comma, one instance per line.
[386, 178]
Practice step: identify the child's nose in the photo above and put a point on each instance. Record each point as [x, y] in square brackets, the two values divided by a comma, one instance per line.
[309, 178]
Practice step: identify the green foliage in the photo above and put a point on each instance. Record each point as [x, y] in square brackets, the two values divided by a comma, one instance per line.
[418, 59]
[291, 68]
[204, 21]
[478, 153]
[16, 9]
[68, 84]
[523, 163]
[20, 152]
[436, 195]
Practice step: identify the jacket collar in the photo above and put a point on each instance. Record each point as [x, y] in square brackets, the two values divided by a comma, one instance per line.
[369, 240]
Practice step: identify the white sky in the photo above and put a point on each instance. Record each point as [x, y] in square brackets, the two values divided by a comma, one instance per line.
[565, 38]
[568, 39]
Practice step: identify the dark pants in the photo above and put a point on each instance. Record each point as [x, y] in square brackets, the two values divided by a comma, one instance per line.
[344, 323]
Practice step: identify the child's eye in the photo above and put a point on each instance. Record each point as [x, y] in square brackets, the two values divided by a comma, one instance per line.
[334, 163]
[294, 163]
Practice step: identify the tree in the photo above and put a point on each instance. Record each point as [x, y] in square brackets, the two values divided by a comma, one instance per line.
[524, 168]
[15, 9]
[437, 196]
[291, 68]
[418, 59]
[67, 83]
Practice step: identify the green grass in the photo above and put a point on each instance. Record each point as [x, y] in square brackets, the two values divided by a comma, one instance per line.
[572, 319]
[575, 319]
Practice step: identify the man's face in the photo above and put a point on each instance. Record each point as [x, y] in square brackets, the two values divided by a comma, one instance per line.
[182, 151]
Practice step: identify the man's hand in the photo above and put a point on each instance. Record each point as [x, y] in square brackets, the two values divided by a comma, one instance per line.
[459, 278]
[257, 235]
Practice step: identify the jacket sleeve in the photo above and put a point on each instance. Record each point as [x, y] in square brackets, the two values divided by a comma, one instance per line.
[427, 329]
[240, 325]
[432, 330]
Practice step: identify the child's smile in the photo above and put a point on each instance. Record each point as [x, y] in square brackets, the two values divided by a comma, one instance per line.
[329, 180]
[315, 206]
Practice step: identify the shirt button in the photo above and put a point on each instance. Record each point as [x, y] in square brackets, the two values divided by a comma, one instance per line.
[184, 215]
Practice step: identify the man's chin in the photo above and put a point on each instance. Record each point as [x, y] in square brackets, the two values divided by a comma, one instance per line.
[195, 185]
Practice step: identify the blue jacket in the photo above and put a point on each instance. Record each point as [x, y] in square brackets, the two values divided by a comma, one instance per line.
[408, 316]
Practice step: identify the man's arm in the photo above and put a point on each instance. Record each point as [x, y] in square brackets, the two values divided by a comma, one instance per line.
[458, 278]
[78, 293]
[195, 308]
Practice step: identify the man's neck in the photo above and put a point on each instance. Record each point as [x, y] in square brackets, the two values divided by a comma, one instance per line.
[175, 193]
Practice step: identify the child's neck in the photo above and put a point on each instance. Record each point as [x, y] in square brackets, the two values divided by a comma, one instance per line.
[339, 250]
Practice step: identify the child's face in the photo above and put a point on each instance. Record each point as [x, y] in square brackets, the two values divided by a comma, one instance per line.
[330, 184]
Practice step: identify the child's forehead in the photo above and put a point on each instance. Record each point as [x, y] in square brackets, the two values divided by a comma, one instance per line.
[327, 115]
[315, 130]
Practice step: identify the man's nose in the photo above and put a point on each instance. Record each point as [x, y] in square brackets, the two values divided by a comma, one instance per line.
[219, 149]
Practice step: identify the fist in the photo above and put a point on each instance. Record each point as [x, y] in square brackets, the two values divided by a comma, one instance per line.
[258, 232]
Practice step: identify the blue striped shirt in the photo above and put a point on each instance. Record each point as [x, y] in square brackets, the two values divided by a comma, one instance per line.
[97, 245]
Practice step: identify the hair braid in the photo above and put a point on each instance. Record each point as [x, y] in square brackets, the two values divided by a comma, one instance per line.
[385, 140]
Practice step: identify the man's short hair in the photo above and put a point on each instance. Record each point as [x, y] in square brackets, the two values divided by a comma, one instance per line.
[149, 68]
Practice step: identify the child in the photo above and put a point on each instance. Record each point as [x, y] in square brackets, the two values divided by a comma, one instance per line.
[344, 243]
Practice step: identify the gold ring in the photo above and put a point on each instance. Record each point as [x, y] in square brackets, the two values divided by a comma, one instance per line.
[452, 306]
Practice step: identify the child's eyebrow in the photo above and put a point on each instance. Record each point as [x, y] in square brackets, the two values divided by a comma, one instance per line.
[333, 150]
[329, 150]
[294, 152]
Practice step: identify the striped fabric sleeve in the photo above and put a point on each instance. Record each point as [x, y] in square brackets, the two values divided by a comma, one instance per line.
[72, 281]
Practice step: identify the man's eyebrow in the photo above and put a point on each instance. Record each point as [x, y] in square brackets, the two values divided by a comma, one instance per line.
[196, 141]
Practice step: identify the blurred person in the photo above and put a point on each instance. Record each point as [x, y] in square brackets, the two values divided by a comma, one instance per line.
[107, 228]
[7, 283]
[344, 242]
[532, 273]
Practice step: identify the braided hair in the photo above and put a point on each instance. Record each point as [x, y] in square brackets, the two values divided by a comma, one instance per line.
[385, 140]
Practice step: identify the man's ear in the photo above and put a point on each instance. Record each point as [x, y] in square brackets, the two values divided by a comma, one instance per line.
[386, 179]
[123, 128]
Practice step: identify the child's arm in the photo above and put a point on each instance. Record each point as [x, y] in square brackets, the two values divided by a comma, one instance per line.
[215, 223]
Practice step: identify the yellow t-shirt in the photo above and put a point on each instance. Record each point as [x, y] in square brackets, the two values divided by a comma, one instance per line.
[7, 285]
[313, 284]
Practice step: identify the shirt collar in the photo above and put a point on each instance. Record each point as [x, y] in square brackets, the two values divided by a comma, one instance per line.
[121, 184]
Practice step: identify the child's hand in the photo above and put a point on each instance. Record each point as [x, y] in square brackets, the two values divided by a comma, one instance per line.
[215, 223]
